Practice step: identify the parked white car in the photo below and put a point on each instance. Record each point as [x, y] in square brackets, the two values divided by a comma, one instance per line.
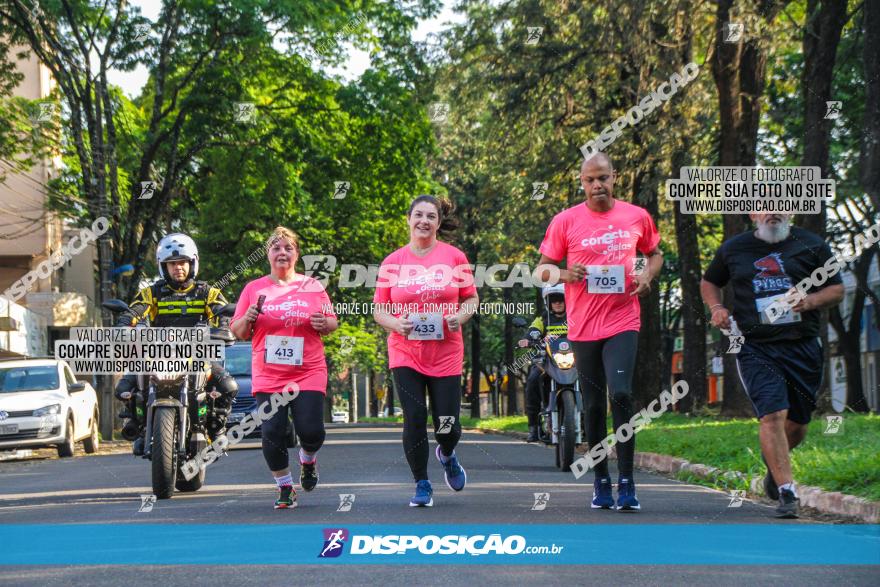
[42, 404]
[340, 416]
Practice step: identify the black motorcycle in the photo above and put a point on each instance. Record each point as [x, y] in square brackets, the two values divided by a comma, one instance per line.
[176, 407]
[562, 420]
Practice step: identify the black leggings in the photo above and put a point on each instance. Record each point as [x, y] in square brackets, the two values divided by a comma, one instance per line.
[445, 394]
[308, 419]
[610, 362]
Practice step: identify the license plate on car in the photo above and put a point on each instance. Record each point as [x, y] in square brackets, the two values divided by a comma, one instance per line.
[236, 417]
[9, 429]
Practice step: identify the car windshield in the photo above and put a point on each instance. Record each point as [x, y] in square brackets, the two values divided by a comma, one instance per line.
[238, 359]
[36, 378]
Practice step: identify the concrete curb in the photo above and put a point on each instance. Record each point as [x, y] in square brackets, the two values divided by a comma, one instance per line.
[364, 425]
[826, 502]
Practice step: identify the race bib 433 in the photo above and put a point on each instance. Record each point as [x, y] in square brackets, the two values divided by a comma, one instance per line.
[426, 326]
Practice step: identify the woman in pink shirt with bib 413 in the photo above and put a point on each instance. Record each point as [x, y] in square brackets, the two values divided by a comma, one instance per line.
[424, 295]
[288, 360]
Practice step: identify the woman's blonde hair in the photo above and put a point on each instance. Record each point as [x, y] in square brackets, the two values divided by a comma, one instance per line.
[284, 233]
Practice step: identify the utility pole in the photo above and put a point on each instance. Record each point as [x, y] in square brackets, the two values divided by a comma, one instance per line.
[353, 402]
[105, 256]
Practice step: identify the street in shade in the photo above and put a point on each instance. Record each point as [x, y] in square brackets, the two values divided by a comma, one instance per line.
[61, 520]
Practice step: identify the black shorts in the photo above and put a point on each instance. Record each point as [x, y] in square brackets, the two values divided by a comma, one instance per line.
[783, 375]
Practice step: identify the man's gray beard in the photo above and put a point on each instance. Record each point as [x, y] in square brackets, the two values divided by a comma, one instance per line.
[774, 234]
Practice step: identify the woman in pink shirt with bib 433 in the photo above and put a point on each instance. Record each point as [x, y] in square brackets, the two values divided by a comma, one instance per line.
[424, 295]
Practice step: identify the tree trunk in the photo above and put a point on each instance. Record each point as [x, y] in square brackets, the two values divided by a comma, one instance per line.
[849, 334]
[852, 357]
[869, 179]
[328, 403]
[687, 241]
[825, 21]
[738, 69]
[352, 398]
[649, 371]
[475, 366]
[512, 408]
[694, 361]
[869, 160]
[390, 389]
[373, 408]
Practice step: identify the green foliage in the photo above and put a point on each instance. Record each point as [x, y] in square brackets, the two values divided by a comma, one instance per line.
[848, 462]
[518, 113]
[204, 59]
[352, 346]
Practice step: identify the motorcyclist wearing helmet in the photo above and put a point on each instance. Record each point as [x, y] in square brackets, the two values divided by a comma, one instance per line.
[552, 323]
[179, 300]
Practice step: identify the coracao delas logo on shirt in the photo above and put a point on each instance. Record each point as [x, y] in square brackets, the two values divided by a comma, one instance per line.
[609, 242]
[417, 280]
[771, 274]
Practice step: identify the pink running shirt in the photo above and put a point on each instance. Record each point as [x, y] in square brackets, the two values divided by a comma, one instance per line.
[435, 283]
[609, 239]
[286, 312]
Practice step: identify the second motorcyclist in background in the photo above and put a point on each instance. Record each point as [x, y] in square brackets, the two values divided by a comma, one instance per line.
[552, 322]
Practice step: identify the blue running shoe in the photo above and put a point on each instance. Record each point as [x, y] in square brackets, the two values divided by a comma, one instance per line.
[626, 495]
[452, 470]
[602, 498]
[424, 495]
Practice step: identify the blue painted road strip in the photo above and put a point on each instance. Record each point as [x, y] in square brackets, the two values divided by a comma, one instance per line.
[649, 544]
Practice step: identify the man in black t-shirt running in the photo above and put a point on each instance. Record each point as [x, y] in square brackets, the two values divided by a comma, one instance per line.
[780, 362]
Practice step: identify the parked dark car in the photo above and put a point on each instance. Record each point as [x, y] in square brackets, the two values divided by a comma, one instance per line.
[238, 362]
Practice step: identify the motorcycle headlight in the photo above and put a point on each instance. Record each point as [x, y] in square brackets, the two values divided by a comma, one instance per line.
[48, 410]
[564, 360]
[168, 376]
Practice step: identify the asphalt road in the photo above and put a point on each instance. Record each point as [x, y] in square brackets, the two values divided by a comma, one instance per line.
[368, 462]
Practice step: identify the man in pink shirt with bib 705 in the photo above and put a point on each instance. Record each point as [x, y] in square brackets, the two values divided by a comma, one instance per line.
[599, 240]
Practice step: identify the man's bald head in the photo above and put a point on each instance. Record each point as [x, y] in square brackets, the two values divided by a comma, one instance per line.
[597, 179]
[597, 158]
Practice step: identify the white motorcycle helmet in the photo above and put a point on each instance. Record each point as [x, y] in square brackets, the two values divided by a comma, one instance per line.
[552, 290]
[177, 246]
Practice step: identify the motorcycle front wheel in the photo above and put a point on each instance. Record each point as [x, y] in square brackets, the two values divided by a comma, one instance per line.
[567, 430]
[164, 452]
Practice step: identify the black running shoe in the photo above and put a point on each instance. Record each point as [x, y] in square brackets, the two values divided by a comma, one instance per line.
[788, 504]
[308, 475]
[286, 498]
[137, 448]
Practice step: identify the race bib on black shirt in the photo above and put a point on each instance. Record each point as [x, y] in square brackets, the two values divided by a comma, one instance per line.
[761, 272]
